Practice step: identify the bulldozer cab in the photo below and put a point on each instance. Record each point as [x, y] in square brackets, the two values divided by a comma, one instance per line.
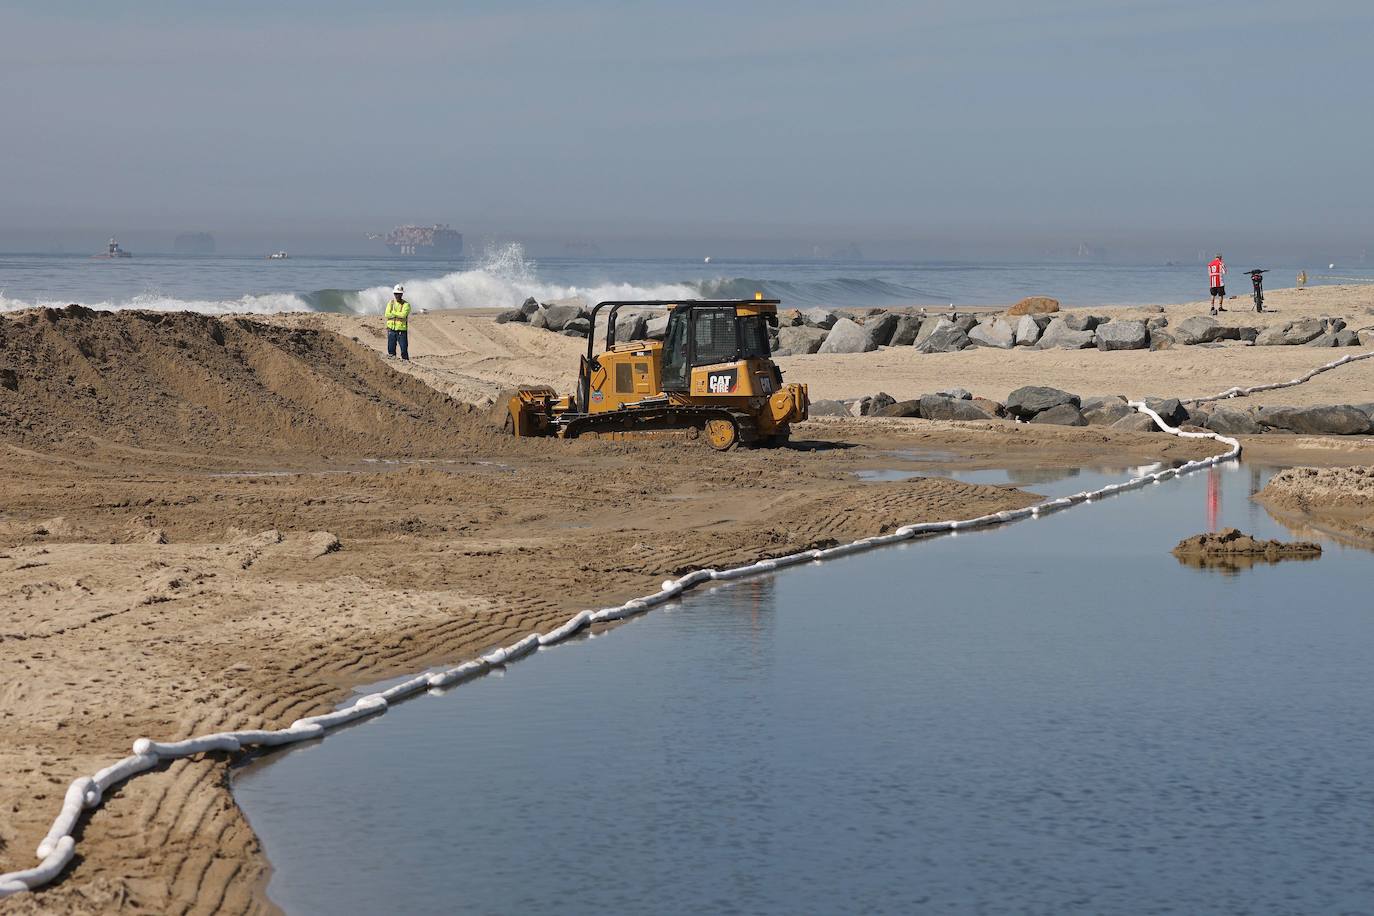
[703, 335]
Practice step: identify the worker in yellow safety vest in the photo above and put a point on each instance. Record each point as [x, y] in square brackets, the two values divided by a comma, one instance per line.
[398, 323]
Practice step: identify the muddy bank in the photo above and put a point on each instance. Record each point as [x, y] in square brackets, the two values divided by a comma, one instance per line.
[1340, 499]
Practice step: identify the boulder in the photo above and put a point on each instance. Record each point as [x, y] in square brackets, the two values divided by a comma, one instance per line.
[571, 331]
[826, 408]
[1123, 335]
[794, 341]
[1335, 324]
[1027, 331]
[994, 333]
[1136, 422]
[790, 318]
[1232, 421]
[929, 326]
[1300, 332]
[1347, 338]
[940, 407]
[539, 319]
[1104, 411]
[556, 315]
[1034, 305]
[579, 327]
[632, 325]
[1276, 335]
[989, 407]
[1080, 321]
[529, 307]
[1330, 420]
[904, 335]
[1061, 415]
[1197, 330]
[1029, 400]
[847, 336]
[869, 406]
[656, 328]
[1157, 322]
[946, 337]
[965, 323]
[1161, 340]
[960, 394]
[911, 408]
[513, 315]
[1170, 410]
[880, 328]
[819, 318]
[1325, 340]
[1059, 335]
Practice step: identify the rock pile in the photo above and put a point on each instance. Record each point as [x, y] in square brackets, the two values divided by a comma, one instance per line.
[1232, 549]
[1041, 404]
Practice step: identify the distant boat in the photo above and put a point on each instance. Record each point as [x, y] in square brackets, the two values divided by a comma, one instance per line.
[278, 256]
[112, 250]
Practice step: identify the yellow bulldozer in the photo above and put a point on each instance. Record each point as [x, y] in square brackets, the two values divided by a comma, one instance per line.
[712, 373]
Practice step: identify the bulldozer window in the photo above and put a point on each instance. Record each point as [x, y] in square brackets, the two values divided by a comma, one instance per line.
[753, 337]
[713, 336]
[676, 370]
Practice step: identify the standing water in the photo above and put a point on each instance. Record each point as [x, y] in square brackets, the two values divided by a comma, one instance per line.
[1052, 717]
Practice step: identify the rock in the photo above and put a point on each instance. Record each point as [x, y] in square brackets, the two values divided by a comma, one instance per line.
[513, 315]
[1335, 324]
[1034, 305]
[994, 333]
[794, 341]
[556, 315]
[940, 407]
[529, 307]
[1123, 335]
[790, 318]
[539, 319]
[1161, 340]
[828, 409]
[847, 337]
[1273, 336]
[959, 394]
[1104, 411]
[1029, 400]
[908, 326]
[1061, 415]
[578, 327]
[1325, 340]
[947, 337]
[1159, 321]
[1027, 331]
[1346, 338]
[1197, 330]
[1300, 332]
[320, 543]
[1330, 420]
[929, 326]
[880, 328]
[1078, 321]
[990, 407]
[869, 406]
[656, 328]
[1170, 410]
[1060, 335]
[965, 323]
[632, 325]
[1230, 421]
[819, 318]
[1136, 422]
[911, 408]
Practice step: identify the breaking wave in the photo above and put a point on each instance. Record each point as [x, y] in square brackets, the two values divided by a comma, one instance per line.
[504, 278]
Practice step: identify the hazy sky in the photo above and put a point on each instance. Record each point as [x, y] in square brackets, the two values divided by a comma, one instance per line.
[1004, 119]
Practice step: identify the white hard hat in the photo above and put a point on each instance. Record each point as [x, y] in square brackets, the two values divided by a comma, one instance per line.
[398, 288]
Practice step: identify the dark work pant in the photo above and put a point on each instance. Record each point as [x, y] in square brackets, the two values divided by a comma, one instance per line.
[395, 337]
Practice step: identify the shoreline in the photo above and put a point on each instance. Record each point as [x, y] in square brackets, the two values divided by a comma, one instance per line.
[257, 621]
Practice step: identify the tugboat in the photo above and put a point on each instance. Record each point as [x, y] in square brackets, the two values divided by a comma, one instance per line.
[112, 250]
[278, 256]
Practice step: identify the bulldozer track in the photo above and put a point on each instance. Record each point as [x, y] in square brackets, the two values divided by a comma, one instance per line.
[660, 419]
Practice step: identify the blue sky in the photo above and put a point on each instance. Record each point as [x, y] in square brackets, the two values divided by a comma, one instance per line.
[1133, 122]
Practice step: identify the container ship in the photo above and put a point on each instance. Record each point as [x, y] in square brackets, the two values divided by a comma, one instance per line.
[437, 241]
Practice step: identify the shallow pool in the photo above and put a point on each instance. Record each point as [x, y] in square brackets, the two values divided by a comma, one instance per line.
[1053, 717]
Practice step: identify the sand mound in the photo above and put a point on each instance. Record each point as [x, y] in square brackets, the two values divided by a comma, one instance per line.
[1231, 548]
[1337, 499]
[81, 380]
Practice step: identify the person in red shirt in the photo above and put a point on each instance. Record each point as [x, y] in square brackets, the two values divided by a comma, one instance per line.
[1216, 279]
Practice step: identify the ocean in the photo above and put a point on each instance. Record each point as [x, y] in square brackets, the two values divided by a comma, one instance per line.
[504, 276]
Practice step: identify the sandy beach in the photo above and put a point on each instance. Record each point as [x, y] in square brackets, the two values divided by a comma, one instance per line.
[226, 523]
